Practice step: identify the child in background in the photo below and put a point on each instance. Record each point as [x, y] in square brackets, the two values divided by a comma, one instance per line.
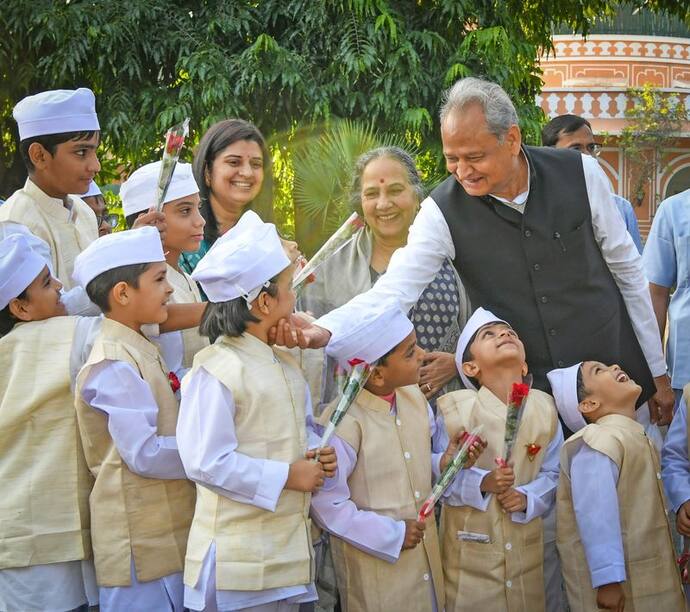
[243, 437]
[385, 559]
[141, 503]
[184, 232]
[96, 202]
[45, 552]
[613, 533]
[491, 522]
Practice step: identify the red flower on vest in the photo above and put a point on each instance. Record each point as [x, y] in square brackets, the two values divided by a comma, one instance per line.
[174, 382]
[532, 450]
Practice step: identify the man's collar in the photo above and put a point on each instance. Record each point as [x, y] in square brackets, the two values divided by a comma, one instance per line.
[521, 198]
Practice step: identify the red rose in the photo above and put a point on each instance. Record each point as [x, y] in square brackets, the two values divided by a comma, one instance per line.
[174, 381]
[354, 362]
[518, 394]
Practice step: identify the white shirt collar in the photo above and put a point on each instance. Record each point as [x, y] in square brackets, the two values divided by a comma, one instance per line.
[519, 202]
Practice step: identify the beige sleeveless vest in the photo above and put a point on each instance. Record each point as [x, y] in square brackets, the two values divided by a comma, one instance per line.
[256, 549]
[393, 478]
[147, 518]
[653, 582]
[67, 232]
[186, 292]
[505, 574]
[44, 506]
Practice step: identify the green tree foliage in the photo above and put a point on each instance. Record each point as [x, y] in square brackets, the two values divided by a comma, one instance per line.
[280, 63]
[653, 120]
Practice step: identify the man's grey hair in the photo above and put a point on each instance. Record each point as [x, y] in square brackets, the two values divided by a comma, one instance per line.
[497, 106]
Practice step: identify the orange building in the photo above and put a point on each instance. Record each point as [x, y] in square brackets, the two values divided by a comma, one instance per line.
[589, 77]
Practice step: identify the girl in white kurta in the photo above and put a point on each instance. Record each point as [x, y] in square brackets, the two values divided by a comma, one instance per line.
[242, 435]
[184, 232]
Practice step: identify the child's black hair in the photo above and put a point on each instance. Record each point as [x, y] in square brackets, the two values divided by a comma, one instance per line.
[99, 288]
[130, 219]
[230, 318]
[50, 143]
[7, 319]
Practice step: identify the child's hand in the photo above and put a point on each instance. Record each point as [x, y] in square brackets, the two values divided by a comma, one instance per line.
[512, 500]
[305, 475]
[611, 597]
[327, 459]
[498, 481]
[683, 519]
[455, 445]
[414, 532]
[154, 218]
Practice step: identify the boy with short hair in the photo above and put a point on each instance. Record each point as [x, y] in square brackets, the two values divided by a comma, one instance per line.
[613, 534]
[141, 503]
[385, 559]
[491, 521]
[58, 133]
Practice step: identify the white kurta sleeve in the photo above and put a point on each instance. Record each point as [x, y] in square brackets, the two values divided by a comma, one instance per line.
[593, 478]
[314, 430]
[624, 261]
[375, 534]
[675, 467]
[439, 442]
[541, 492]
[410, 270]
[208, 446]
[117, 389]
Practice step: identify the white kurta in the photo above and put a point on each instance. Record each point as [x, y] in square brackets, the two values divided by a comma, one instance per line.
[208, 450]
[117, 389]
[55, 587]
[594, 478]
[675, 466]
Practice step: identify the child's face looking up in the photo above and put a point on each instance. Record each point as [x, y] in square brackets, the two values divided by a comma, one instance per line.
[606, 387]
[148, 303]
[184, 224]
[402, 365]
[494, 345]
[42, 299]
[71, 169]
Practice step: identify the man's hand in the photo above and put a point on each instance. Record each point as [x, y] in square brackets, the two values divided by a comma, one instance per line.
[414, 532]
[512, 500]
[498, 481]
[661, 403]
[611, 597]
[151, 217]
[683, 519]
[438, 369]
[298, 331]
[327, 459]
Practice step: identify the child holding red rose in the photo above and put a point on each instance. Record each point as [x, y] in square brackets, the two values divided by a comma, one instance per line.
[492, 535]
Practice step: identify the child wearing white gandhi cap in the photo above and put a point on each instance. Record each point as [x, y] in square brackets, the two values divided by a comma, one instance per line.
[243, 435]
[613, 533]
[184, 232]
[491, 522]
[142, 503]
